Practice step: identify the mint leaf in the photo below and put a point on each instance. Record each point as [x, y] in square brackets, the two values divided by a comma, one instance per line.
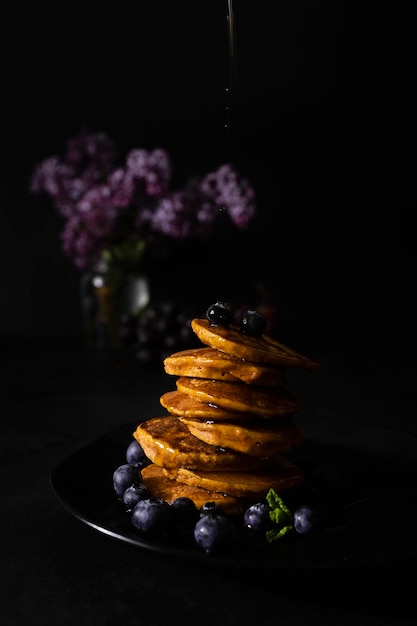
[280, 514]
[279, 511]
[274, 534]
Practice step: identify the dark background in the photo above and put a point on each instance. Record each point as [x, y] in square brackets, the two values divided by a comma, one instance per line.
[323, 126]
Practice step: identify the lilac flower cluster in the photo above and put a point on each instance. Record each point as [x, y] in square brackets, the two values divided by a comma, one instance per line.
[106, 201]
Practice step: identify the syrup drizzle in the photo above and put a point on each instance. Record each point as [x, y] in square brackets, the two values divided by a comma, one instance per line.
[231, 88]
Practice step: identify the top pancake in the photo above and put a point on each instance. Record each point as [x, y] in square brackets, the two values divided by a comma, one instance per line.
[211, 363]
[264, 349]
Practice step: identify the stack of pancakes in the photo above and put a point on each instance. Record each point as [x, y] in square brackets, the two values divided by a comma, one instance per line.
[230, 421]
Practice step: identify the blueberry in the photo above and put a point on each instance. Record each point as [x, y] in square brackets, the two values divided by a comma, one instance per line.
[123, 477]
[136, 456]
[213, 532]
[306, 520]
[252, 323]
[152, 516]
[184, 511]
[220, 314]
[133, 494]
[210, 508]
[256, 517]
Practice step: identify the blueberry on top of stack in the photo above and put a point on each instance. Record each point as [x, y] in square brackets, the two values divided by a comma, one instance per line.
[230, 421]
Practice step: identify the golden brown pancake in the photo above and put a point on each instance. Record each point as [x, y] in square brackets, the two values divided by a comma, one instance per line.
[214, 364]
[162, 486]
[263, 401]
[183, 405]
[263, 349]
[251, 485]
[168, 443]
[229, 422]
[256, 437]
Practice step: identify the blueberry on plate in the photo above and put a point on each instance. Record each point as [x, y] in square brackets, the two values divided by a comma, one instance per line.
[184, 511]
[213, 532]
[136, 456]
[210, 508]
[152, 516]
[306, 520]
[256, 517]
[123, 477]
[133, 494]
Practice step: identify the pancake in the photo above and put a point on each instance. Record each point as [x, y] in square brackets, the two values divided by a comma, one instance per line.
[183, 405]
[263, 349]
[250, 485]
[262, 401]
[256, 437]
[162, 486]
[214, 364]
[168, 443]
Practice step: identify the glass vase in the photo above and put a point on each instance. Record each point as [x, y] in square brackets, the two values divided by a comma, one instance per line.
[108, 299]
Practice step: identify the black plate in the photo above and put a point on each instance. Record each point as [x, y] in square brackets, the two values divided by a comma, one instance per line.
[380, 464]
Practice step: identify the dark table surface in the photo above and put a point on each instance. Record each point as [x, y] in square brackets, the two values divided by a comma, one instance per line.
[59, 397]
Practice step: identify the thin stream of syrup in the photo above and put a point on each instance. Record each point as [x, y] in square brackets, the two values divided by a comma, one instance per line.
[231, 88]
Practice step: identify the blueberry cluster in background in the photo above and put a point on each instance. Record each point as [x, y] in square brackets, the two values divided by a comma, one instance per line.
[160, 329]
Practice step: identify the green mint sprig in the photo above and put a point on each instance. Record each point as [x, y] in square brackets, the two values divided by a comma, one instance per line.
[280, 515]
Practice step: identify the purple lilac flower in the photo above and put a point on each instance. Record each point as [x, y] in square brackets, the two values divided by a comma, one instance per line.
[57, 180]
[146, 175]
[104, 201]
[172, 215]
[153, 167]
[89, 230]
[193, 211]
[78, 243]
[88, 160]
[227, 189]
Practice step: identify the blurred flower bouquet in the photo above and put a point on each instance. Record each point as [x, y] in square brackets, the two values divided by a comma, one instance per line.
[117, 209]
